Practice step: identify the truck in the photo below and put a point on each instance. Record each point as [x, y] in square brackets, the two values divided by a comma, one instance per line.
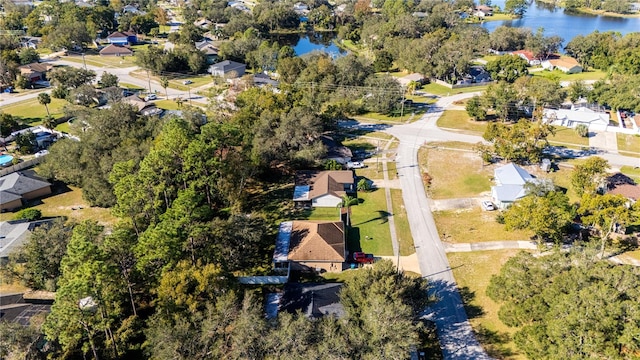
[362, 258]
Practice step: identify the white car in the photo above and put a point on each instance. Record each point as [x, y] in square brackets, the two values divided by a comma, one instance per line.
[488, 206]
[150, 97]
[355, 165]
[187, 82]
[42, 153]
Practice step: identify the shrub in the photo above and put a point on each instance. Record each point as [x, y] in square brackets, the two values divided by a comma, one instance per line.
[582, 130]
[29, 214]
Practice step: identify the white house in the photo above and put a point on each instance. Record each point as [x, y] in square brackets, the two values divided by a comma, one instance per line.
[565, 64]
[527, 55]
[323, 188]
[510, 180]
[595, 120]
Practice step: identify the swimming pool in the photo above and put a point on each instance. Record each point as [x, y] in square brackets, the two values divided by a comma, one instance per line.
[5, 160]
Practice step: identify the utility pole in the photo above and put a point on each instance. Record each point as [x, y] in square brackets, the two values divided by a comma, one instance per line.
[84, 62]
[402, 104]
[189, 89]
[378, 157]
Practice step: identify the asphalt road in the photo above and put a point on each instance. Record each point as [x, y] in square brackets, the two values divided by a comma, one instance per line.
[457, 339]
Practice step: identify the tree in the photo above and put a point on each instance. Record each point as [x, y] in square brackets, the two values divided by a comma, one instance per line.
[474, 108]
[108, 80]
[26, 142]
[71, 77]
[45, 99]
[346, 202]
[28, 56]
[164, 82]
[522, 142]
[577, 90]
[30, 214]
[383, 61]
[589, 176]
[515, 7]
[507, 68]
[582, 130]
[547, 214]
[332, 165]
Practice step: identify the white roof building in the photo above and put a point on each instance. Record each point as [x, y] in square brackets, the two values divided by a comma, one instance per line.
[510, 180]
[595, 120]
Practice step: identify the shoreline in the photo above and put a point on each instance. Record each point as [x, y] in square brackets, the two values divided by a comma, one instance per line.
[589, 11]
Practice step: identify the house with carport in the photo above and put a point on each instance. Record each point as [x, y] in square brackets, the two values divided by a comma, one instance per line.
[305, 245]
[323, 188]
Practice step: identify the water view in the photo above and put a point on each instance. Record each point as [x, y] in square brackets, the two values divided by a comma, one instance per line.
[307, 43]
[556, 21]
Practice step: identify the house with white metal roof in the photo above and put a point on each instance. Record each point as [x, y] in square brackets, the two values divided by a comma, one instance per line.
[510, 180]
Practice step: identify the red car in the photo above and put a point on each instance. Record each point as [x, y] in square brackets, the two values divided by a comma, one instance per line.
[363, 258]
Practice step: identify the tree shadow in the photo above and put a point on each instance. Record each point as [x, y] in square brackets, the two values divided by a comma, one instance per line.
[473, 311]
[494, 342]
[383, 216]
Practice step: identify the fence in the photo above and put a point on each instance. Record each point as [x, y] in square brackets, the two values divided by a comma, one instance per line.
[263, 280]
[21, 166]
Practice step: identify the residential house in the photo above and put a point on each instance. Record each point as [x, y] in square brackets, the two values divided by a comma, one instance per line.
[482, 11]
[228, 69]
[21, 308]
[301, 9]
[620, 184]
[21, 186]
[209, 50]
[595, 120]
[143, 107]
[35, 71]
[261, 79]
[476, 75]
[529, 56]
[116, 50]
[314, 300]
[336, 151]
[239, 5]
[565, 64]
[30, 42]
[323, 188]
[510, 180]
[132, 9]
[122, 38]
[310, 245]
[634, 7]
[13, 235]
[203, 23]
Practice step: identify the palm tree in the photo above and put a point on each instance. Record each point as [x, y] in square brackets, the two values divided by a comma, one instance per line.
[346, 202]
[164, 82]
[45, 99]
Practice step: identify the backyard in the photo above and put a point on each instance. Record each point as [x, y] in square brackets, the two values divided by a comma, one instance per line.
[472, 272]
[32, 112]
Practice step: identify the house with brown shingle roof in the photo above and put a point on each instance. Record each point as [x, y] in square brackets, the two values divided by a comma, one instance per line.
[35, 71]
[311, 245]
[323, 188]
[620, 184]
[565, 64]
[116, 50]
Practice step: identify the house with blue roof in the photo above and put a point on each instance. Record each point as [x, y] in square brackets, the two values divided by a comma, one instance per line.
[510, 184]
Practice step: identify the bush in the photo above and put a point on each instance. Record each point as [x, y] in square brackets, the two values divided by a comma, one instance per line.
[29, 214]
[60, 92]
[582, 130]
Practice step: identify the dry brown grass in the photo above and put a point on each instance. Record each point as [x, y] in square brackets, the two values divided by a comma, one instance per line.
[472, 272]
[474, 225]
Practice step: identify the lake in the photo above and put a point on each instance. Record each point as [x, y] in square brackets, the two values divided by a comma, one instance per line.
[556, 21]
[307, 43]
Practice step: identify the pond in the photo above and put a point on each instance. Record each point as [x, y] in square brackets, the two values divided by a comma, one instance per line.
[557, 21]
[309, 42]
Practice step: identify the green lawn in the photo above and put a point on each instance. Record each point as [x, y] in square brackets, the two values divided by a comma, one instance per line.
[130, 86]
[460, 120]
[474, 225]
[472, 272]
[629, 145]
[561, 76]
[454, 174]
[437, 89]
[409, 114]
[565, 135]
[403, 231]
[323, 213]
[166, 104]
[63, 204]
[103, 61]
[32, 112]
[632, 172]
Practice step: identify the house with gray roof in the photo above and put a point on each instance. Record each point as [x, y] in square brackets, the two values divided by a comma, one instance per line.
[228, 69]
[14, 233]
[20, 186]
[510, 181]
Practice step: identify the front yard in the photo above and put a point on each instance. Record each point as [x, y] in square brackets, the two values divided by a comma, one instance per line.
[32, 112]
[472, 272]
[474, 225]
[629, 145]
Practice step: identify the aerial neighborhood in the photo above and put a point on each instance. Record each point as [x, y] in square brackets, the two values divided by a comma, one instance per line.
[342, 179]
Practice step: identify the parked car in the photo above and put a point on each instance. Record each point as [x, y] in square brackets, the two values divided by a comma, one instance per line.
[355, 165]
[488, 206]
[42, 153]
[187, 82]
[150, 97]
[363, 258]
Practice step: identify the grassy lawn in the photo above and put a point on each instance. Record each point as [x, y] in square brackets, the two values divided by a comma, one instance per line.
[166, 104]
[103, 61]
[403, 231]
[629, 144]
[565, 135]
[370, 172]
[369, 230]
[453, 145]
[472, 272]
[632, 172]
[460, 120]
[409, 114]
[562, 179]
[130, 86]
[63, 204]
[32, 112]
[437, 89]
[454, 174]
[197, 81]
[557, 74]
[324, 213]
[474, 225]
